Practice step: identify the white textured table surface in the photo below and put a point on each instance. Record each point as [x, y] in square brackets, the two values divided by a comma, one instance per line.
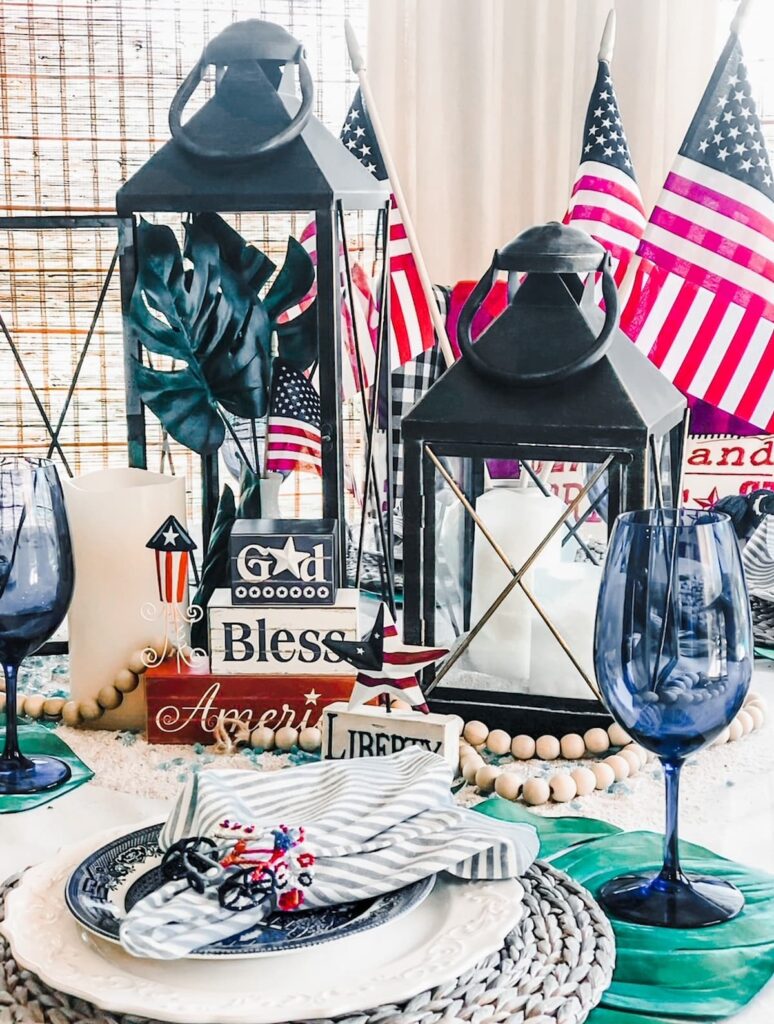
[727, 803]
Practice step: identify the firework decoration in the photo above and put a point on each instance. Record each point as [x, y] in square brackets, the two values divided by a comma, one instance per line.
[386, 666]
[248, 868]
[172, 545]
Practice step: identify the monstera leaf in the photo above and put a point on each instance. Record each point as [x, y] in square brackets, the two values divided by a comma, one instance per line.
[247, 262]
[249, 506]
[183, 403]
[215, 567]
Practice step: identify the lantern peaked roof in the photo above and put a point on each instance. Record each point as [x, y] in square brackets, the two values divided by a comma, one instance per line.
[171, 536]
[616, 404]
[308, 173]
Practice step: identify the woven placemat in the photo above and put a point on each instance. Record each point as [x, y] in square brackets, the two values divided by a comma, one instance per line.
[552, 969]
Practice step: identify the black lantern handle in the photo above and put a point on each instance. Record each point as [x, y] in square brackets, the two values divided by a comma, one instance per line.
[535, 378]
[267, 145]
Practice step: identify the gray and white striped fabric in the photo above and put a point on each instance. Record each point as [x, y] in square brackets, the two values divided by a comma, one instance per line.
[758, 560]
[373, 825]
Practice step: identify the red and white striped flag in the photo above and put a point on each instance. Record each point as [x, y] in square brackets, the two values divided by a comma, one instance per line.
[606, 200]
[411, 326]
[172, 547]
[293, 438]
[705, 314]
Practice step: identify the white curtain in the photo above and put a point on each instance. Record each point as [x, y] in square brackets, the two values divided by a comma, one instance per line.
[483, 103]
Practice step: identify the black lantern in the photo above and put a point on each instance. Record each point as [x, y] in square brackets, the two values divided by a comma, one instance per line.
[255, 147]
[503, 570]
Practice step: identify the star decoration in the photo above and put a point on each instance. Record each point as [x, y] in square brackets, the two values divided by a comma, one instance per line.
[170, 536]
[710, 500]
[312, 697]
[287, 559]
[385, 664]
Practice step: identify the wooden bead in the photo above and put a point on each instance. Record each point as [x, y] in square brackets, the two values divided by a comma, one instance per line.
[475, 733]
[109, 697]
[71, 713]
[470, 766]
[735, 730]
[262, 738]
[641, 752]
[310, 739]
[508, 785]
[632, 759]
[572, 746]
[136, 662]
[597, 741]
[536, 791]
[585, 781]
[753, 697]
[722, 738]
[52, 706]
[485, 777]
[400, 705]
[286, 738]
[618, 737]
[745, 720]
[33, 705]
[498, 741]
[758, 717]
[562, 787]
[126, 681]
[523, 747]
[619, 765]
[90, 710]
[547, 748]
[603, 774]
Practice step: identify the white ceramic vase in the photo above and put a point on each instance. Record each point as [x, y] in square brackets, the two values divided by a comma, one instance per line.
[112, 515]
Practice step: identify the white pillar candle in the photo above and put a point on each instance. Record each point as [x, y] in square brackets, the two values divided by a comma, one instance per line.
[112, 515]
[518, 518]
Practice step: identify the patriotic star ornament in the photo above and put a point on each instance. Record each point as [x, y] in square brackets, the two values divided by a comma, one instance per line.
[385, 664]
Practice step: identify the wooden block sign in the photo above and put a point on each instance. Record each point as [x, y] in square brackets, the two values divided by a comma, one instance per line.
[283, 561]
[280, 640]
[373, 732]
[184, 706]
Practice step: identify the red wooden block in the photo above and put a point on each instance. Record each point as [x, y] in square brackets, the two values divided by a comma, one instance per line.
[184, 706]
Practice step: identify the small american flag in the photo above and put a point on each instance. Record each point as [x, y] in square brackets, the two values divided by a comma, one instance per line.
[293, 437]
[606, 200]
[705, 314]
[411, 326]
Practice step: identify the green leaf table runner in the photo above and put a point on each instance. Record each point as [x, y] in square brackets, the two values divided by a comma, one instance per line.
[38, 739]
[664, 975]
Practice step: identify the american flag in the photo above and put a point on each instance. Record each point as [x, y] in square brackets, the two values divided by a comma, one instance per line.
[411, 326]
[293, 436]
[705, 315]
[606, 200]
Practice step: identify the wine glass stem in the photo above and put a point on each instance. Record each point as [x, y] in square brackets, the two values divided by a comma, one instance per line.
[671, 871]
[11, 751]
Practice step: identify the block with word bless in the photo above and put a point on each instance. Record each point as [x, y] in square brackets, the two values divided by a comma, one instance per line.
[283, 562]
[282, 640]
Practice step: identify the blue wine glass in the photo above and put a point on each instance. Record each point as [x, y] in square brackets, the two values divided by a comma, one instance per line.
[673, 652]
[36, 585]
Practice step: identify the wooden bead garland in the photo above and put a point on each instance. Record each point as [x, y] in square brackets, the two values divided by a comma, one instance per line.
[627, 759]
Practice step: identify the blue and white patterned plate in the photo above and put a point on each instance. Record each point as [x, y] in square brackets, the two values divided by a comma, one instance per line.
[107, 884]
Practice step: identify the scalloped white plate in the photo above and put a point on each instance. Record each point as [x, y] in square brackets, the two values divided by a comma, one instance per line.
[457, 925]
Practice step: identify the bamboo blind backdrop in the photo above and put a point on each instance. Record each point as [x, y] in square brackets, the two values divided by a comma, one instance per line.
[85, 88]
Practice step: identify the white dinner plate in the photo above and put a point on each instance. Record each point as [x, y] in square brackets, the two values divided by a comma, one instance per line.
[457, 925]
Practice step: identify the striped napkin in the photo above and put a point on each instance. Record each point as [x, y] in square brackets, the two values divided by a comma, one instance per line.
[372, 825]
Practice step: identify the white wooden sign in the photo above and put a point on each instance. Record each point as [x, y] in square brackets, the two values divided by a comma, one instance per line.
[373, 732]
[282, 640]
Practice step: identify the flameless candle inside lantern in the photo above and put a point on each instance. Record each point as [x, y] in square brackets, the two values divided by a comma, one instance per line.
[518, 518]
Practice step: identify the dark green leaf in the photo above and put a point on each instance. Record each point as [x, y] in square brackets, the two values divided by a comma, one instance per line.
[249, 494]
[215, 570]
[293, 281]
[297, 339]
[246, 261]
[181, 401]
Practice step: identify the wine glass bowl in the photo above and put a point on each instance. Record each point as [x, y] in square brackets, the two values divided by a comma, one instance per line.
[36, 586]
[673, 654]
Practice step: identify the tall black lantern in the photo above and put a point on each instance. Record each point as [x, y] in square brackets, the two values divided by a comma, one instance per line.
[254, 147]
[502, 570]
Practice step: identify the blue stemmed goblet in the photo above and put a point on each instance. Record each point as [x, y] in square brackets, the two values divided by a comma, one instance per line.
[673, 653]
[36, 585]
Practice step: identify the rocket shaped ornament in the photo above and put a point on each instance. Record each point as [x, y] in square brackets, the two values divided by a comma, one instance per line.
[385, 664]
[172, 545]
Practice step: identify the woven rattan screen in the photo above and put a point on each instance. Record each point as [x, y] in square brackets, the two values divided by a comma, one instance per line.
[85, 87]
